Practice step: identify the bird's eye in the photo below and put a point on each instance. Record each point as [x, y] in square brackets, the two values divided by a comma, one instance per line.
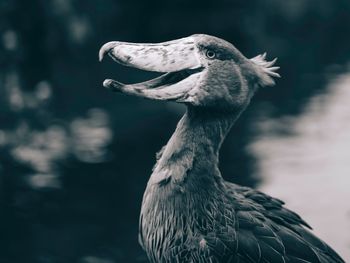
[210, 54]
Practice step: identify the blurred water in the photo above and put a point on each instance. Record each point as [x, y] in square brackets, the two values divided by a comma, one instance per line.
[304, 160]
[84, 138]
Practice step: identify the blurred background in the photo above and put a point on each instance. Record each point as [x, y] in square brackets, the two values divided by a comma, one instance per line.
[75, 159]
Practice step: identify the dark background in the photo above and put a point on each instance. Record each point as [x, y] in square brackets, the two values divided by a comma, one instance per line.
[75, 159]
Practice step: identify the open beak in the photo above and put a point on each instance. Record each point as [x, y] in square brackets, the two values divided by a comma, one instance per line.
[177, 59]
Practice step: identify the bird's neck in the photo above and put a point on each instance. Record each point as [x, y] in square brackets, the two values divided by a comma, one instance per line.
[191, 155]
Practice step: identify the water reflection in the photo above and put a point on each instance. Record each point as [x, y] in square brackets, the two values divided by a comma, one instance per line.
[304, 160]
[90, 136]
[20, 100]
[85, 138]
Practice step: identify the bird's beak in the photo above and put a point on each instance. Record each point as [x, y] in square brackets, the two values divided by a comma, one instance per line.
[178, 59]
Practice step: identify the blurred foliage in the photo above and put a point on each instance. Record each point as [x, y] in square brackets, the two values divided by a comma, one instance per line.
[74, 159]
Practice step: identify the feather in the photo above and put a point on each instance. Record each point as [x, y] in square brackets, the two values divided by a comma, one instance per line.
[296, 260]
[296, 246]
[269, 254]
[248, 246]
[264, 70]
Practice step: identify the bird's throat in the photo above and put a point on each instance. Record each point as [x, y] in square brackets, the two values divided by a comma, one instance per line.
[192, 152]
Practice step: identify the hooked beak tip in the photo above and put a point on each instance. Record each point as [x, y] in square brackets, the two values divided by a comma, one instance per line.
[106, 48]
[101, 55]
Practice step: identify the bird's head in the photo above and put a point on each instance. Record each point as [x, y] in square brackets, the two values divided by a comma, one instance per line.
[200, 70]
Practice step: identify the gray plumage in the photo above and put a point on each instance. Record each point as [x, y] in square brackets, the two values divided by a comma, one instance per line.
[189, 212]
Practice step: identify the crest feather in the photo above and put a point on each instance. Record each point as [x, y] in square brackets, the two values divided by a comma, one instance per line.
[266, 71]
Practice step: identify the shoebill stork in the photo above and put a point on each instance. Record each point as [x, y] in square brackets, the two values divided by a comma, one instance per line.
[189, 212]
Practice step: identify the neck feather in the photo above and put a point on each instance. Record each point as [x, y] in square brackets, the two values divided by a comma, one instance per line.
[192, 151]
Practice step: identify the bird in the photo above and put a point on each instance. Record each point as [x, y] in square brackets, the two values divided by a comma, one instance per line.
[189, 213]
